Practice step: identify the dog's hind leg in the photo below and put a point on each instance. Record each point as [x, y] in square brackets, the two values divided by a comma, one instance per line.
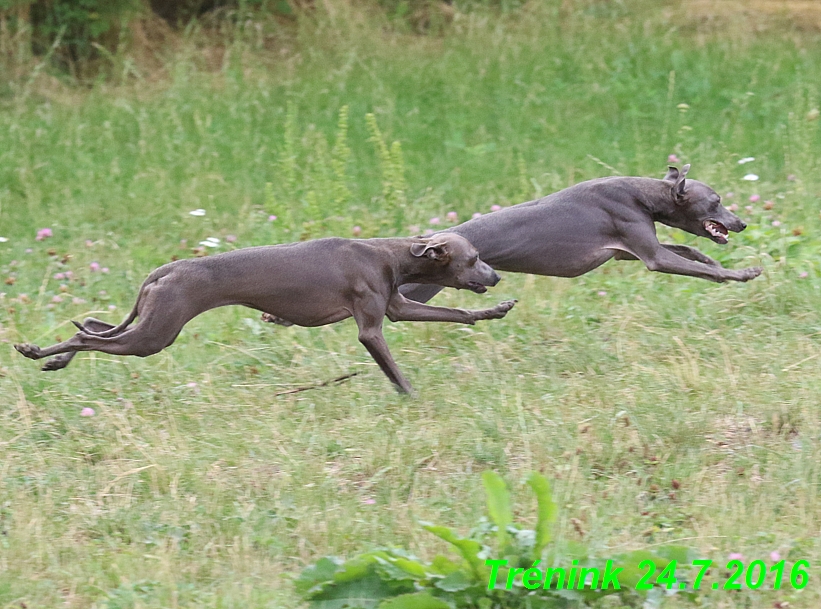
[58, 362]
[152, 334]
[142, 340]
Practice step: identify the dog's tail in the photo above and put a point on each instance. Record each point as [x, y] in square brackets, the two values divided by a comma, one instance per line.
[153, 277]
[111, 332]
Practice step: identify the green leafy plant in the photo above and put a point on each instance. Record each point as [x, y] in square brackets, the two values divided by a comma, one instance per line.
[494, 568]
[79, 25]
[392, 167]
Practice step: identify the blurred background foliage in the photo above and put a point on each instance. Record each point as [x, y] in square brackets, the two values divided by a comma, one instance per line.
[77, 34]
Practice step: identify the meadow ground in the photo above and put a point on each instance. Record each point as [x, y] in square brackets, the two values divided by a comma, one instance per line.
[201, 482]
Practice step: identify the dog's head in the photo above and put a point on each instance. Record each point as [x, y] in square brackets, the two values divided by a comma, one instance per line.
[697, 208]
[455, 262]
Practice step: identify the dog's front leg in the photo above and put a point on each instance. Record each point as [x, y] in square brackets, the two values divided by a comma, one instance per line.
[690, 253]
[420, 292]
[685, 251]
[665, 261]
[639, 239]
[402, 309]
[368, 316]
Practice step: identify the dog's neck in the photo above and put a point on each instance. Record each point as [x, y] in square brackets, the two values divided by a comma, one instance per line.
[655, 196]
[408, 268]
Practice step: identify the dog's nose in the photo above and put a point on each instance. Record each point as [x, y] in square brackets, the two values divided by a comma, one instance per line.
[743, 226]
[496, 278]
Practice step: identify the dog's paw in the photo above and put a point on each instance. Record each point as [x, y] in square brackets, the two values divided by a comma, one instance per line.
[30, 351]
[501, 309]
[750, 273]
[58, 362]
[273, 319]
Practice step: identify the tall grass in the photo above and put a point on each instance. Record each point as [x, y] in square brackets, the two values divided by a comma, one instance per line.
[195, 484]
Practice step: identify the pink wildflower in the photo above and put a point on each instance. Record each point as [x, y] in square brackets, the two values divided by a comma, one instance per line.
[452, 217]
[230, 238]
[435, 220]
[357, 230]
[733, 207]
[775, 556]
[476, 215]
[43, 233]
[495, 207]
[87, 412]
[271, 218]
[94, 266]
[755, 198]
[673, 159]
[736, 556]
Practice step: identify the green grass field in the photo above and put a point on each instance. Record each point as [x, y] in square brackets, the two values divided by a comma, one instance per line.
[200, 482]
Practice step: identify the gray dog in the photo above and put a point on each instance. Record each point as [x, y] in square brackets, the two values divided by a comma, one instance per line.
[308, 284]
[573, 231]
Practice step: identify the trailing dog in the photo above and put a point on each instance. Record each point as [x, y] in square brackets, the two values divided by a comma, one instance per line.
[307, 284]
[573, 231]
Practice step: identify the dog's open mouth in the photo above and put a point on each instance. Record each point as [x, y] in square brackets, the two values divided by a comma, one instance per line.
[718, 232]
[477, 287]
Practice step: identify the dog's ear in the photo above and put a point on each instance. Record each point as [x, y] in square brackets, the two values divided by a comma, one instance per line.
[672, 174]
[680, 187]
[430, 249]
